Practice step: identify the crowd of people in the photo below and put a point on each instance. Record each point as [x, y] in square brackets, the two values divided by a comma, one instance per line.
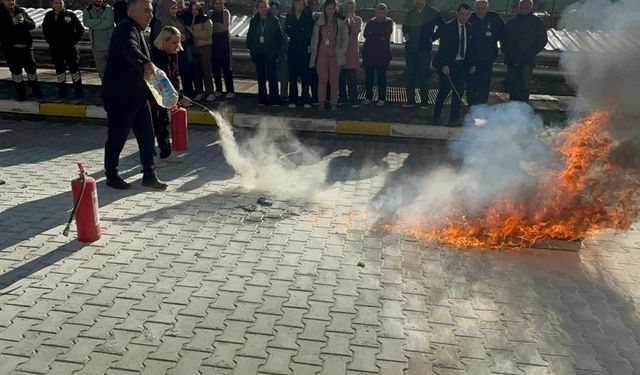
[314, 45]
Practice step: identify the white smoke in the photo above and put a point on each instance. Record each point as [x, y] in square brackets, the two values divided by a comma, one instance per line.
[604, 74]
[499, 155]
[273, 160]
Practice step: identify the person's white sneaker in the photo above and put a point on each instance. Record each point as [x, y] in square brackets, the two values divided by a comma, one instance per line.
[173, 158]
[198, 97]
[380, 103]
[292, 106]
[211, 98]
[217, 93]
[159, 163]
[366, 101]
[307, 105]
[231, 95]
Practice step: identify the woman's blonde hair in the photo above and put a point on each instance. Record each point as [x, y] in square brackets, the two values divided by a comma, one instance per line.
[165, 34]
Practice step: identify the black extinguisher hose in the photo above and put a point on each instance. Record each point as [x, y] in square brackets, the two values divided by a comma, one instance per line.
[65, 232]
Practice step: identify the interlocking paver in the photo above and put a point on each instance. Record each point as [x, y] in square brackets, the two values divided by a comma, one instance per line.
[79, 352]
[223, 355]
[40, 361]
[333, 364]
[364, 359]
[27, 346]
[190, 275]
[279, 362]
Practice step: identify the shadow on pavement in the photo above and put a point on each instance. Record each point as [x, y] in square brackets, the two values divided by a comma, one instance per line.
[27, 269]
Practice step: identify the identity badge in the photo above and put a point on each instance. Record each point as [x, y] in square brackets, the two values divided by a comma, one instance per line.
[262, 39]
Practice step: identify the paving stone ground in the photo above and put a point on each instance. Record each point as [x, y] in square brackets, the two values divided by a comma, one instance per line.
[199, 280]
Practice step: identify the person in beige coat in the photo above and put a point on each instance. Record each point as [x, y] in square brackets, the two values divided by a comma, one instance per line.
[201, 28]
[329, 43]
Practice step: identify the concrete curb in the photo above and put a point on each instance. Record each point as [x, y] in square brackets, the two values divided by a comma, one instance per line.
[198, 117]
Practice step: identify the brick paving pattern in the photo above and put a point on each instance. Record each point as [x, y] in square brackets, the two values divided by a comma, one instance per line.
[199, 280]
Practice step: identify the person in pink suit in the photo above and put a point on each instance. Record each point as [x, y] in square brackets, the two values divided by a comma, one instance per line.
[329, 43]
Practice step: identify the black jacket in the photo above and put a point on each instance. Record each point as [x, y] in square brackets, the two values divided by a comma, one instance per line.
[123, 84]
[299, 32]
[63, 31]
[119, 11]
[430, 20]
[485, 35]
[449, 44]
[524, 38]
[272, 37]
[11, 34]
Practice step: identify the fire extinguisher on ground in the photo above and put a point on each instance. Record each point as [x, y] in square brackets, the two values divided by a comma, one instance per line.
[179, 135]
[85, 208]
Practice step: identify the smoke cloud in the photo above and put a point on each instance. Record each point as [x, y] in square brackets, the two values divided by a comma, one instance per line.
[605, 75]
[500, 154]
[273, 160]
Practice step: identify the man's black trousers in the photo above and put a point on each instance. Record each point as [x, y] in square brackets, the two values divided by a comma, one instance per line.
[121, 120]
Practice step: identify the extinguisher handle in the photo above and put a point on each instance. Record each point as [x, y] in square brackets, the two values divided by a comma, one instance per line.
[81, 168]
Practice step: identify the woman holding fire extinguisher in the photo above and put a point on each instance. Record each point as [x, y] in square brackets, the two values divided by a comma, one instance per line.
[165, 56]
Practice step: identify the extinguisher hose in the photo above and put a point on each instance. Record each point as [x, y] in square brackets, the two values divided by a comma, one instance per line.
[65, 232]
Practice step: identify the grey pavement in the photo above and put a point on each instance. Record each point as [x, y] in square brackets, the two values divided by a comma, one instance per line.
[198, 279]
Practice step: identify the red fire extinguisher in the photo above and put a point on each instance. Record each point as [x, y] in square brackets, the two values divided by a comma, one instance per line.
[179, 134]
[85, 208]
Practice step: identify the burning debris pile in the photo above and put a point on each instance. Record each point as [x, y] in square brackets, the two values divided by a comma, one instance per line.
[579, 194]
[513, 189]
[588, 194]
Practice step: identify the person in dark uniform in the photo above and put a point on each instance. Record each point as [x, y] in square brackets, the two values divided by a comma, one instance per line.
[126, 97]
[419, 29]
[525, 36]
[453, 61]
[487, 28]
[119, 11]
[299, 26]
[17, 47]
[62, 30]
[263, 42]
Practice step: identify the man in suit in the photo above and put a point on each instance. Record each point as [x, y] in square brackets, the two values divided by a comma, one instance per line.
[126, 96]
[452, 62]
[525, 36]
[487, 28]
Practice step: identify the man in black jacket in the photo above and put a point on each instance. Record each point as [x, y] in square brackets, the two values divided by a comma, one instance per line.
[525, 37]
[420, 29]
[119, 11]
[453, 61]
[487, 28]
[126, 96]
[17, 46]
[62, 29]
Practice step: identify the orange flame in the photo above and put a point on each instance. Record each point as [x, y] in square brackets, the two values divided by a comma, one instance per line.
[588, 195]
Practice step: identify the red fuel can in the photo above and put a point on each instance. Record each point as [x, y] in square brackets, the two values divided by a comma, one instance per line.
[179, 133]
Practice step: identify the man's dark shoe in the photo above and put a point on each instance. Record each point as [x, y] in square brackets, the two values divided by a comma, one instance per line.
[118, 183]
[151, 180]
[2, 182]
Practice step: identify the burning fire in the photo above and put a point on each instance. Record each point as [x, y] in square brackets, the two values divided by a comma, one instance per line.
[588, 194]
